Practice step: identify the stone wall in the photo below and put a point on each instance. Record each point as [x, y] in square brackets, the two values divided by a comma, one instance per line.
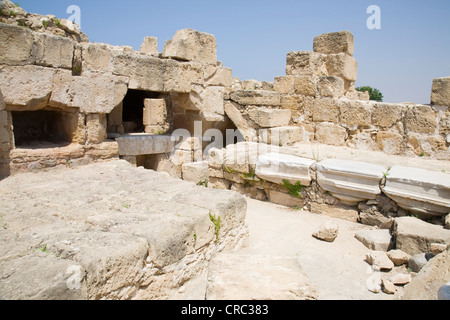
[318, 91]
[47, 67]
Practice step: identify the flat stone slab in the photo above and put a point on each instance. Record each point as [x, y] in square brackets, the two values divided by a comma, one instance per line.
[110, 231]
[415, 236]
[378, 240]
[276, 167]
[418, 190]
[144, 144]
[257, 277]
[350, 181]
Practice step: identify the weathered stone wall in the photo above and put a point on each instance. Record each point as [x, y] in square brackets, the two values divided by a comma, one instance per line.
[318, 91]
[46, 66]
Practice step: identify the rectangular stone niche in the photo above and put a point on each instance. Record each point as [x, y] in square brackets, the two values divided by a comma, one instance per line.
[43, 128]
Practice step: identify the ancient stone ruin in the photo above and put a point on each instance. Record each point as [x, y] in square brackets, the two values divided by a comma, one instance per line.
[307, 140]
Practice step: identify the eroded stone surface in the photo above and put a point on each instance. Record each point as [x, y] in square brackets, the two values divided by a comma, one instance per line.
[109, 239]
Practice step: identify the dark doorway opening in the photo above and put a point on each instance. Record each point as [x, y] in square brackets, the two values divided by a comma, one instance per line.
[133, 109]
[41, 128]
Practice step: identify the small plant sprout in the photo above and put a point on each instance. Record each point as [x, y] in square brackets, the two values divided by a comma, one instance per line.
[203, 183]
[126, 205]
[294, 190]
[217, 222]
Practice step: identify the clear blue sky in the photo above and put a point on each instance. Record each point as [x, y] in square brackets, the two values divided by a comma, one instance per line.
[253, 37]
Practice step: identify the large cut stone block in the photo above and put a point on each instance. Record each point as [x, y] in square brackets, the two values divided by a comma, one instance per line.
[53, 51]
[149, 45]
[418, 190]
[192, 45]
[343, 66]
[415, 236]
[256, 97]
[16, 44]
[26, 87]
[92, 93]
[270, 118]
[281, 136]
[246, 277]
[335, 42]
[196, 172]
[440, 92]
[276, 167]
[143, 144]
[155, 112]
[350, 181]
[330, 133]
[305, 63]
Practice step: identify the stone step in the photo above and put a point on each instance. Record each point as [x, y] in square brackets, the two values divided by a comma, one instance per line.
[276, 167]
[424, 192]
[257, 277]
[350, 181]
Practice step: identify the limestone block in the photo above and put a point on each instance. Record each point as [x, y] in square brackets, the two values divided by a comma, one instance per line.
[380, 260]
[378, 240]
[281, 136]
[305, 85]
[284, 84]
[195, 172]
[325, 109]
[256, 97]
[253, 277]
[155, 112]
[92, 93]
[335, 42]
[350, 181]
[191, 45]
[398, 257]
[434, 277]
[26, 87]
[440, 91]
[143, 144]
[179, 76]
[95, 128]
[342, 65]
[145, 72]
[421, 119]
[96, 56]
[149, 46]
[386, 115]
[390, 142]
[276, 167]
[270, 118]
[16, 45]
[215, 158]
[354, 114]
[415, 236]
[306, 63]
[421, 191]
[53, 51]
[241, 124]
[6, 142]
[327, 231]
[218, 76]
[330, 133]
[330, 87]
